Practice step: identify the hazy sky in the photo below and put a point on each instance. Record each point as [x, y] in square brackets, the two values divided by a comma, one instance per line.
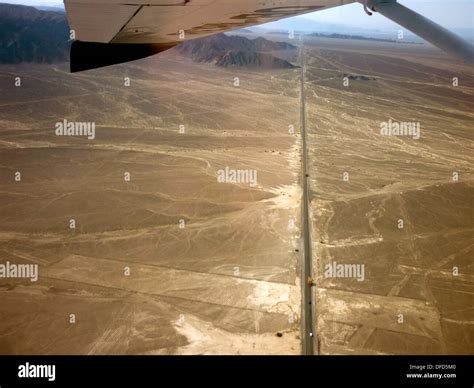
[449, 13]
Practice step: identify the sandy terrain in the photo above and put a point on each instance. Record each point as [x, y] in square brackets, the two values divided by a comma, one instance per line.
[227, 283]
[410, 300]
[171, 261]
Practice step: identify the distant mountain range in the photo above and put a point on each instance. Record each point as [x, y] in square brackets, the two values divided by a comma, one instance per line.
[51, 8]
[304, 25]
[357, 37]
[225, 50]
[31, 35]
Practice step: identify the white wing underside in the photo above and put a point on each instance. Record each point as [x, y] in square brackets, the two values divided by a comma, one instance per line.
[161, 21]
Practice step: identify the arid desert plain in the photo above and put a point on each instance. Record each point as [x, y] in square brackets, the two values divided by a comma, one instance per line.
[143, 249]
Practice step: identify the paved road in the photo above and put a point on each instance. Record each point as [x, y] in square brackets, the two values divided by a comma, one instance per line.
[309, 339]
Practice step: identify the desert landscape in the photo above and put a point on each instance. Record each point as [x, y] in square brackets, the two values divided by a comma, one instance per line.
[160, 199]
[163, 258]
[400, 206]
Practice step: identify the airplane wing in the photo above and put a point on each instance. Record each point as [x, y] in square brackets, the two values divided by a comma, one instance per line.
[113, 31]
[161, 21]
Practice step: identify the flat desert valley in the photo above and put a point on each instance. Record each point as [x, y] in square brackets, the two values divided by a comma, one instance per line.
[399, 207]
[141, 249]
[164, 258]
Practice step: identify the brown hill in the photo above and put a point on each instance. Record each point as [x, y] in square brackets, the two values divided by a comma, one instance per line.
[225, 50]
[252, 59]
